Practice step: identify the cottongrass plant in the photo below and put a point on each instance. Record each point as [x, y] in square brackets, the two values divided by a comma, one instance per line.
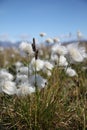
[56, 106]
[56, 102]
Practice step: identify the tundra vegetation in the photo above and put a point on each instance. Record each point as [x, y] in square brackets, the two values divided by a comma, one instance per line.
[43, 87]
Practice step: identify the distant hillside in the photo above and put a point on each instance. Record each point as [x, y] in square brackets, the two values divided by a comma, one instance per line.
[9, 44]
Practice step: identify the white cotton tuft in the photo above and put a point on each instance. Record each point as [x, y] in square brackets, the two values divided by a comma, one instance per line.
[42, 34]
[54, 58]
[9, 87]
[62, 61]
[40, 81]
[71, 72]
[5, 75]
[21, 79]
[23, 70]
[49, 40]
[27, 48]
[36, 65]
[59, 49]
[48, 65]
[25, 89]
[76, 53]
[18, 64]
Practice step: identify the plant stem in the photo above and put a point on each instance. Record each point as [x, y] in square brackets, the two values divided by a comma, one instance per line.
[84, 116]
[36, 97]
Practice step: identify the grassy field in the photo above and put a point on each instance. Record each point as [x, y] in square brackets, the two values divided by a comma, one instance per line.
[61, 105]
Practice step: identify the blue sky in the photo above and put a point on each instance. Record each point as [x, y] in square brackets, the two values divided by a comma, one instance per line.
[28, 18]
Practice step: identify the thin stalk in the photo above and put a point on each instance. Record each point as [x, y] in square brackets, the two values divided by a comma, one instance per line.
[84, 115]
[36, 98]
[28, 68]
[77, 96]
[30, 114]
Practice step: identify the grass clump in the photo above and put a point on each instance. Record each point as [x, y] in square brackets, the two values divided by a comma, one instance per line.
[60, 106]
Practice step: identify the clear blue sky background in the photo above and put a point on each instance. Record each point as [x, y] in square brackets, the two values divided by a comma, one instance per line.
[30, 17]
